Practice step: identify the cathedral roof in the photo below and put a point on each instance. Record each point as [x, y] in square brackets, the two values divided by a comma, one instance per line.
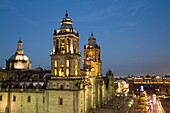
[19, 57]
[66, 22]
[66, 27]
[92, 40]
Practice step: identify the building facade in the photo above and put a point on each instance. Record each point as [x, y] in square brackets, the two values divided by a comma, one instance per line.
[159, 85]
[66, 89]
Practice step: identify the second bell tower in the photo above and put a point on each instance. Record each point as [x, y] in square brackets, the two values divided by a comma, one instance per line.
[92, 60]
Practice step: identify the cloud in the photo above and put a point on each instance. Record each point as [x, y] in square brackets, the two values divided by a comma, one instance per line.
[6, 4]
[115, 10]
[100, 15]
[15, 11]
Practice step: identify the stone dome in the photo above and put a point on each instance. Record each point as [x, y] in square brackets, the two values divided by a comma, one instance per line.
[66, 22]
[92, 40]
[19, 57]
[18, 60]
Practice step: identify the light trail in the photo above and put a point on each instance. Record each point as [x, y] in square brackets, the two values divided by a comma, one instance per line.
[160, 108]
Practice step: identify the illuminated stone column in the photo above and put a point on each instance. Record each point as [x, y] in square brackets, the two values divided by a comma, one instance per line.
[71, 46]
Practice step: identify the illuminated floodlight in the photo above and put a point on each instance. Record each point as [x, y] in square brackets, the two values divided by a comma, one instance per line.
[141, 88]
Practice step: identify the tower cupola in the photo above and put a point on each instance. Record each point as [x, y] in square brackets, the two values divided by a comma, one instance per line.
[66, 22]
[66, 26]
[92, 40]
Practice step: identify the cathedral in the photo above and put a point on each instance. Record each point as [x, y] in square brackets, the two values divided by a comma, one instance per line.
[67, 89]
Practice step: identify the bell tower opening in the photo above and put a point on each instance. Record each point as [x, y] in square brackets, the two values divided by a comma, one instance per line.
[61, 70]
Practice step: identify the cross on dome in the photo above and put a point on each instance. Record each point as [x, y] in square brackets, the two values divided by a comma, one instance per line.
[66, 13]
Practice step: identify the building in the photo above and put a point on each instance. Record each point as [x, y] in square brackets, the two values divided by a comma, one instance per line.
[18, 61]
[122, 88]
[159, 85]
[67, 89]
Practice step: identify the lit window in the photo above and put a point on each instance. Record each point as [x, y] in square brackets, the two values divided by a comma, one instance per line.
[29, 99]
[18, 66]
[62, 47]
[67, 46]
[55, 71]
[14, 98]
[91, 53]
[61, 70]
[55, 63]
[67, 63]
[67, 72]
[0, 97]
[76, 72]
[60, 101]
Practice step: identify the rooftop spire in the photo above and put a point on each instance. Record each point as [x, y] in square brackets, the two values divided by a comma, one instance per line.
[66, 13]
[91, 34]
[19, 40]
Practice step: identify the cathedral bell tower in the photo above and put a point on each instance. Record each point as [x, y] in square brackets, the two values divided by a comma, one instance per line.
[92, 60]
[65, 57]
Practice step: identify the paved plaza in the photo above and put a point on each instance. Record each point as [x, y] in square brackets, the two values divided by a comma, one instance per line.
[117, 105]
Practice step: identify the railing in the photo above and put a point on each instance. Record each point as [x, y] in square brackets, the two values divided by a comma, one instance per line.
[21, 90]
[164, 82]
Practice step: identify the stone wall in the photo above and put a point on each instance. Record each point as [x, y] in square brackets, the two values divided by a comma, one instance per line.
[72, 101]
[22, 102]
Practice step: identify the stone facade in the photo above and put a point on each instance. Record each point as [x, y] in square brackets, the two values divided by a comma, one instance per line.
[66, 89]
[21, 101]
[55, 95]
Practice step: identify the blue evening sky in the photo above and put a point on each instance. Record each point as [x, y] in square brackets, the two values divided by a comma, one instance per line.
[134, 35]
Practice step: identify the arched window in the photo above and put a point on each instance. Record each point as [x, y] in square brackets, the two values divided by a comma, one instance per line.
[35, 76]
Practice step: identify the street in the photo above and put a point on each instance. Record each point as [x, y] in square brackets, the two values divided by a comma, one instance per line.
[165, 104]
[157, 107]
[160, 105]
[120, 105]
[117, 105]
